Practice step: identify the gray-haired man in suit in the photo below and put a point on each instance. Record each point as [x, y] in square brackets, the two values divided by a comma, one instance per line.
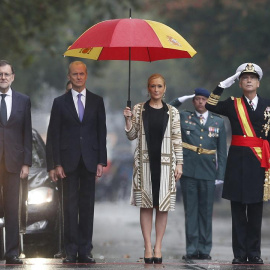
[78, 129]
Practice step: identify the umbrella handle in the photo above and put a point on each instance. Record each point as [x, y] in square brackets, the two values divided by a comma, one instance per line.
[129, 104]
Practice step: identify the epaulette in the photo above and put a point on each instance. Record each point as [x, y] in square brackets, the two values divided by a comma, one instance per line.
[232, 97]
[215, 114]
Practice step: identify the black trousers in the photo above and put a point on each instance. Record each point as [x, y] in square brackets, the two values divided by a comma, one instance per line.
[246, 229]
[10, 185]
[79, 200]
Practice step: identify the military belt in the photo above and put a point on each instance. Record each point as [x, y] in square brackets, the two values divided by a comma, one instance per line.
[197, 149]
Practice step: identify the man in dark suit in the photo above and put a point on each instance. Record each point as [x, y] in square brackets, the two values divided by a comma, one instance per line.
[248, 160]
[78, 125]
[15, 154]
[205, 154]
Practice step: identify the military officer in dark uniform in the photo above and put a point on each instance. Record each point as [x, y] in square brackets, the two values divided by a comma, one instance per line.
[205, 153]
[248, 160]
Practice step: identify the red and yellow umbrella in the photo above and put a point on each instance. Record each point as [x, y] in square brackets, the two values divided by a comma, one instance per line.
[130, 39]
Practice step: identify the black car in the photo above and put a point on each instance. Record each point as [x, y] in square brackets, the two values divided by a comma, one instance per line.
[39, 217]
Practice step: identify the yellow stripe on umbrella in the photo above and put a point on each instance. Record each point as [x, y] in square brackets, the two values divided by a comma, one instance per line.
[170, 39]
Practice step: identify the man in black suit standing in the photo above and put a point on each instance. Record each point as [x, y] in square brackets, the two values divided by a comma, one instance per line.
[78, 125]
[15, 154]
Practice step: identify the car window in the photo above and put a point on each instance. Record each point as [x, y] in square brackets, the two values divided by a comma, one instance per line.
[38, 151]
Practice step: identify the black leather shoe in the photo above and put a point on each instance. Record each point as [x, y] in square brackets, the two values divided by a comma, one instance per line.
[190, 257]
[255, 260]
[86, 259]
[239, 260]
[148, 260]
[204, 257]
[13, 260]
[157, 260]
[70, 259]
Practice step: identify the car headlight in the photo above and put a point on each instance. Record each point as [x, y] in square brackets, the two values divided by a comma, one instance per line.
[40, 195]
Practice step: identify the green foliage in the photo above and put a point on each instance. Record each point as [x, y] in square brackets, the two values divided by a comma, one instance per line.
[225, 33]
[34, 35]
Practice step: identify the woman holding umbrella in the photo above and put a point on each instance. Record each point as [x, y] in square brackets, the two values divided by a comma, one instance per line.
[158, 160]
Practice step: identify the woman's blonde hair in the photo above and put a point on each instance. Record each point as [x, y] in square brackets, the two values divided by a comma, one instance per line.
[156, 76]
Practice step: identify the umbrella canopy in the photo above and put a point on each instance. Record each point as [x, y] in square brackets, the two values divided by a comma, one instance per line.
[130, 39]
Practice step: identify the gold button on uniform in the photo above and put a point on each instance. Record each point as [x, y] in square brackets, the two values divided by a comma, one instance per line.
[201, 137]
[200, 145]
[201, 130]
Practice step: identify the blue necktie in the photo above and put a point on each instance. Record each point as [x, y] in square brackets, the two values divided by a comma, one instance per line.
[3, 111]
[80, 107]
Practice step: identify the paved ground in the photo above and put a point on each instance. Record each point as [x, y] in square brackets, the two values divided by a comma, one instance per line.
[118, 242]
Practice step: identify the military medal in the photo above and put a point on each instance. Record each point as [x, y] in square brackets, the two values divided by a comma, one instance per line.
[213, 132]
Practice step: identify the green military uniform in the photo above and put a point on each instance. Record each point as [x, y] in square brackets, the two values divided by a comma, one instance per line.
[205, 152]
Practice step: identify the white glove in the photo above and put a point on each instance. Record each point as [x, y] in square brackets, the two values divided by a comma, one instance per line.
[230, 81]
[184, 98]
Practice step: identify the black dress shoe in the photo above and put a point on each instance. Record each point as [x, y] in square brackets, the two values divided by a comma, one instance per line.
[204, 257]
[190, 257]
[255, 260]
[70, 259]
[13, 260]
[86, 259]
[239, 260]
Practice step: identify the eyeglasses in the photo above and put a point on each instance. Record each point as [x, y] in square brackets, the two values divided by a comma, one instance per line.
[7, 75]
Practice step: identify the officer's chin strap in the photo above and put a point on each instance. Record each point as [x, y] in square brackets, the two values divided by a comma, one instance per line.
[266, 186]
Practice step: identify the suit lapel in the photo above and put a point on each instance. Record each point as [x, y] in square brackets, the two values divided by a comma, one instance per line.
[15, 105]
[89, 99]
[197, 119]
[71, 106]
[209, 121]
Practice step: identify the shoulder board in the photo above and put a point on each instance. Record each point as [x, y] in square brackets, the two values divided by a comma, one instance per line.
[217, 115]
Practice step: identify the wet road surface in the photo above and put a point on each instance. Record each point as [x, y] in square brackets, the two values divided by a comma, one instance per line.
[118, 242]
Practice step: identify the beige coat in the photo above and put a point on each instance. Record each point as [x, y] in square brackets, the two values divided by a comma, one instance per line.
[171, 154]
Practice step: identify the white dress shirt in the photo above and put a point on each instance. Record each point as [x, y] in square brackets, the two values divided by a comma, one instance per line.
[8, 100]
[254, 102]
[204, 115]
[75, 98]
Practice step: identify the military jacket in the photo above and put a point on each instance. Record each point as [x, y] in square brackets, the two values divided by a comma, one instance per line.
[244, 176]
[211, 136]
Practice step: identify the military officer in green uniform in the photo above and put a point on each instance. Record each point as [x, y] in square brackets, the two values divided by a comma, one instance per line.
[205, 153]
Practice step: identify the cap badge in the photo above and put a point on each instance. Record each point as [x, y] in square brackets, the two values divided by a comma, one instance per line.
[250, 68]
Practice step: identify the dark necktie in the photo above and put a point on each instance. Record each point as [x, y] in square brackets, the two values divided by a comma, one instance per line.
[251, 105]
[80, 107]
[3, 111]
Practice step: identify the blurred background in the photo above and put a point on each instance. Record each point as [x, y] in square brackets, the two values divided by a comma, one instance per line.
[34, 35]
